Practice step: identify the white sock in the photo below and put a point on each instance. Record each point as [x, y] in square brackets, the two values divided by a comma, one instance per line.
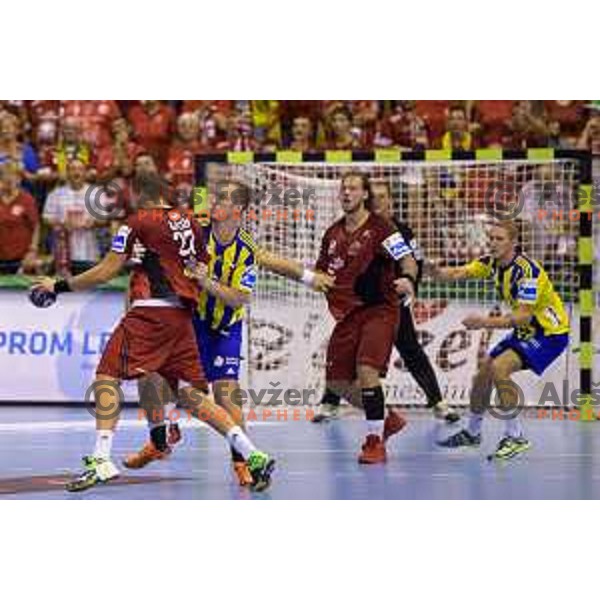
[240, 442]
[169, 408]
[512, 428]
[104, 438]
[475, 423]
[375, 428]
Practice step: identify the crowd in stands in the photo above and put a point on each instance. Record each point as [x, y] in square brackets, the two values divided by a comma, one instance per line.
[51, 150]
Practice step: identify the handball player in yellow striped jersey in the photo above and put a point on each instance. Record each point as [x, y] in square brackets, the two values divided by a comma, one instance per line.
[540, 334]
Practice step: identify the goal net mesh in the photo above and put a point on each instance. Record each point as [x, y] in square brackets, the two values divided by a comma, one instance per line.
[449, 205]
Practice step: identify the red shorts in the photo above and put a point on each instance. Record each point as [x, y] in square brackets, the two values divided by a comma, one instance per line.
[365, 337]
[154, 340]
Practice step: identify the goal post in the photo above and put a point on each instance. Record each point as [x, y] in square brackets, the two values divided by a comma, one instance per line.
[449, 199]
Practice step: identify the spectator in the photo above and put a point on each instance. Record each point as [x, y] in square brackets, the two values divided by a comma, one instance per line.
[11, 148]
[19, 222]
[590, 136]
[555, 136]
[66, 211]
[153, 123]
[570, 114]
[302, 135]
[181, 157]
[239, 134]
[434, 114]
[70, 146]
[524, 129]
[366, 113]
[95, 118]
[457, 136]
[213, 116]
[403, 128]
[265, 121]
[339, 128]
[492, 116]
[116, 159]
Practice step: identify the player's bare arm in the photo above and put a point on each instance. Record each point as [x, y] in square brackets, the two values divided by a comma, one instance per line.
[317, 280]
[521, 316]
[434, 270]
[103, 272]
[405, 284]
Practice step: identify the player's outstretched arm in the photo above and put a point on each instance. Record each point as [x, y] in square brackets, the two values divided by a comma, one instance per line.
[521, 316]
[103, 272]
[293, 269]
[446, 273]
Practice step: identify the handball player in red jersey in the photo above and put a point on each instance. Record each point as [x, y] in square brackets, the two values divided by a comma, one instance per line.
[365, 253]
[156, 335]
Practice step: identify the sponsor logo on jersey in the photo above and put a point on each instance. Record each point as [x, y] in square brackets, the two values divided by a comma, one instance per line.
[396, 246]
[119, 241]
[528, 290]
[249, 277]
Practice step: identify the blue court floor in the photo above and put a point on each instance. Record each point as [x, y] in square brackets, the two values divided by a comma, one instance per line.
[40, 447]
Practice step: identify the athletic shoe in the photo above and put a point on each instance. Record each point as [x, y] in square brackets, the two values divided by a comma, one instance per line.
[373, 451]
[242, 473]
[442, 411]
[261, 466]
[174, 434]
[393, 424]
[462, 438]
[326, 412]
[149, 453]
[508, 447]
[96, 470]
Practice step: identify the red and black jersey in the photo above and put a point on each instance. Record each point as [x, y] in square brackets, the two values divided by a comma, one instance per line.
[364, 264]
[170, 239]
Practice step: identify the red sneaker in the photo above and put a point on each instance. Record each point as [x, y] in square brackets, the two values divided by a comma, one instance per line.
[174, 434]
[242, 473]
[394, 423]
[373, 451]
[149, 453]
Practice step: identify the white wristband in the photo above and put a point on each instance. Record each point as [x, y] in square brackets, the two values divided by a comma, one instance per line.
[308, 277]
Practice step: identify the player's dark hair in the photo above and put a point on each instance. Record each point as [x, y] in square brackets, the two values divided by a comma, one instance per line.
[241, 196]
[382, 183]
[149, 187]
[366, 185]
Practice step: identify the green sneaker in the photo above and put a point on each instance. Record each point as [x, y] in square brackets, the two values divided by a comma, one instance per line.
[509, 447]
[96, 470]
[261, 466]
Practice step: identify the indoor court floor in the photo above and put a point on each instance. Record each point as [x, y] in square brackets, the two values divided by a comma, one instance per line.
[41, 447]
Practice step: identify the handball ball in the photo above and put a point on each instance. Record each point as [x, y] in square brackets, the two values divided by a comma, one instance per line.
[42, 298]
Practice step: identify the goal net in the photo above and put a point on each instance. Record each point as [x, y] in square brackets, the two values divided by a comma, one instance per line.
[449, 204]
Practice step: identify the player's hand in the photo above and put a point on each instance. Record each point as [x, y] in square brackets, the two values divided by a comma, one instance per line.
[432, 268]
[322, 282]
[43, 283]
[405, 289]
[474, 322]
[197, 271]
[41, 293]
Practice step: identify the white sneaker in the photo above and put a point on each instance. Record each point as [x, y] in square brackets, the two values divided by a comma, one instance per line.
[443, 412]
[96, 470]
[326, 412]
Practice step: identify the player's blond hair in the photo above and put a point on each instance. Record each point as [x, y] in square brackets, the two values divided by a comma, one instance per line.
[510, 227]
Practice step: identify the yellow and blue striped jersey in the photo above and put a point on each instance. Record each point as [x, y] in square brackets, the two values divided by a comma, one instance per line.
[234, 265]
[524, 281]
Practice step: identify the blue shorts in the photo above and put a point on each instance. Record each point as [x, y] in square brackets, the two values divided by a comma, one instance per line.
[537, 353]
[219, 350]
